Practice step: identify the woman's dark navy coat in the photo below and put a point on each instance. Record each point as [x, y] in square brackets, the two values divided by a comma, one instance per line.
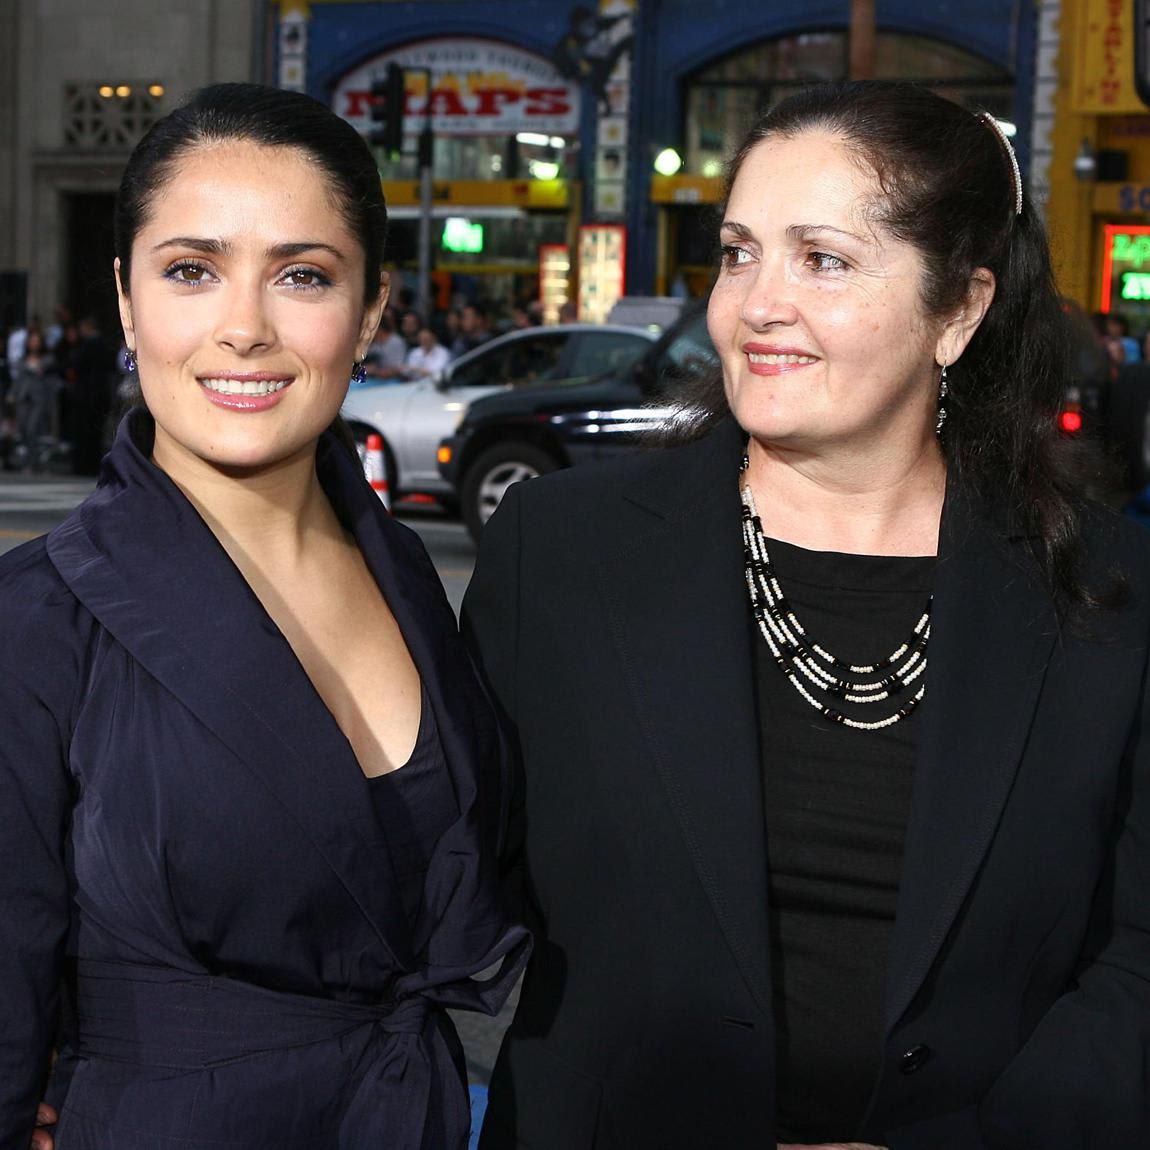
[189, 847]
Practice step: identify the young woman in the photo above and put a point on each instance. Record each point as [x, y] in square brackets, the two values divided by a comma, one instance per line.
[250, 783]
[836, 809]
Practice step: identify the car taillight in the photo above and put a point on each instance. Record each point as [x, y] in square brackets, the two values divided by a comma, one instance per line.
[1070, 420]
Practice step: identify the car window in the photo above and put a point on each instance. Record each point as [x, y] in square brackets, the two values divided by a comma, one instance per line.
[486, 370]
[598, 352]
[535, 358]
[688, 356]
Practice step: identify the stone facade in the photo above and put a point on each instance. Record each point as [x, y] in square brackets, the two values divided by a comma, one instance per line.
[63, 144]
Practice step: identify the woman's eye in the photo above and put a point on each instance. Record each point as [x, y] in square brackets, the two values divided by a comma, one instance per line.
[825, 262]
[733, 256]
[305, 278]
[187, 273]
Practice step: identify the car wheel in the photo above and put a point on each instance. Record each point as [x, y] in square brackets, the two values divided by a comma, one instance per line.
[489, 477]
[360, 432]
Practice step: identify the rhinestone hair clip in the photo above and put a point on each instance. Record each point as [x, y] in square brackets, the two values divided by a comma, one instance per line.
[1008, 147]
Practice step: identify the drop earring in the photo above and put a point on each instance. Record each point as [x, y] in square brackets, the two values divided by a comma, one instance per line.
[943, 392]
[130, 364]
[358, 372]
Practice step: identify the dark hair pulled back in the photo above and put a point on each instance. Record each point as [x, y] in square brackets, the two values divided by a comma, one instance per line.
[273, 118]
[948, 189]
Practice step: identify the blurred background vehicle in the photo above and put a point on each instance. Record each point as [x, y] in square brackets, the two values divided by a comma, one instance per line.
[412, 417]
[533, 430]
[655, 312]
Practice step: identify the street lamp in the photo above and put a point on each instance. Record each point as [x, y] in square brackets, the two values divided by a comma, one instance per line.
[668, 162]
[1086, 162]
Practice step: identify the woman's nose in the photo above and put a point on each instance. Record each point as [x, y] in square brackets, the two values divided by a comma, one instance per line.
[769, 296]
[246, 323]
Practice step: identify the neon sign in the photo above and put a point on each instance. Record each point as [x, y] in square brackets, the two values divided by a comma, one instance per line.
[1125, 263]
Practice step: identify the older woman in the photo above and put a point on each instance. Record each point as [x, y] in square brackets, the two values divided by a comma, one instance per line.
[836, 816]
[249, 779]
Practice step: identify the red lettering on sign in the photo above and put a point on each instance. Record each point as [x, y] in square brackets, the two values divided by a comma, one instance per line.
[547, 102]
[446, 102]
[358, 103]
[493, 100]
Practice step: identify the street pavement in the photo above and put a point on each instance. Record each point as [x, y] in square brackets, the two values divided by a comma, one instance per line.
[31, 505]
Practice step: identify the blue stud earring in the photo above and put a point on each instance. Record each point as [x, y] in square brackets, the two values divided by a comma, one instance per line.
[130, 364]
[358, 372]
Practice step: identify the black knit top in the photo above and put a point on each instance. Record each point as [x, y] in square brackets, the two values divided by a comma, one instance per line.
[837, 802]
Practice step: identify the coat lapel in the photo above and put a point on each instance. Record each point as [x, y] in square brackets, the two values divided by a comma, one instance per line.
[678, 605]
[992, 631]
[140, 558]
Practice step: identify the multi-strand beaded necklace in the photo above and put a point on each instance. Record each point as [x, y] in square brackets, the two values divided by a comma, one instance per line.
[810, 669]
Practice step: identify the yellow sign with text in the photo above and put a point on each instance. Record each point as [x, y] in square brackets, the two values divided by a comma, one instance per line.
[1104, 75]
[536, 194]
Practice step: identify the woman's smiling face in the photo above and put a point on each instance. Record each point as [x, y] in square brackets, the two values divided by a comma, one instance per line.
[816, 314]
[245, 307]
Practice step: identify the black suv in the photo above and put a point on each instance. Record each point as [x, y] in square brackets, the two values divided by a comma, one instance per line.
[520, 434]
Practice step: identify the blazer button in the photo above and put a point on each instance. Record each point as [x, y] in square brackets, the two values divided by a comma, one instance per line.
[915, 1058]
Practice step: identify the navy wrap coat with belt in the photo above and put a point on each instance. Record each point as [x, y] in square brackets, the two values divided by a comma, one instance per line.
[190, 861]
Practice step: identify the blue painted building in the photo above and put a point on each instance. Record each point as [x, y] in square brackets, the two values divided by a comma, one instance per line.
[548, 114]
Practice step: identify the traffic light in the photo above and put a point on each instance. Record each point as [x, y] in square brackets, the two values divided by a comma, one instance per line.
[387, 100]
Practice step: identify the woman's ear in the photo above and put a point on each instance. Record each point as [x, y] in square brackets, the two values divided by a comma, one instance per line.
[125, 305]
[372, 314]
[960, 328]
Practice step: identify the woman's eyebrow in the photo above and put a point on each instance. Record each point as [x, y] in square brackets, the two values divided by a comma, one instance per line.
[740, 231]
[217, 247]
[806, 231]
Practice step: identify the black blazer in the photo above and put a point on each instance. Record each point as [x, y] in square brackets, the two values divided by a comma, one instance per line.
[609, 611]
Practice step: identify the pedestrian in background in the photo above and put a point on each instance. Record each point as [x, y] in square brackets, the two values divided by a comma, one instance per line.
[428, 359]
[250, 782]
[93, 364]
[388, 351]
[35, 389]
[474, 329]
[835, 816]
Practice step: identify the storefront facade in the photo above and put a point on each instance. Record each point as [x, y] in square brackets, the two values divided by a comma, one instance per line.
[548, 117]
[1099, 208]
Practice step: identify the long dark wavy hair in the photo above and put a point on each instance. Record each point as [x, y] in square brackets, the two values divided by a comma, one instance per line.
[949, 189]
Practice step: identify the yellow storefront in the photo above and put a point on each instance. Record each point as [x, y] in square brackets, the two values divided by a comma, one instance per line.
[1099, 176]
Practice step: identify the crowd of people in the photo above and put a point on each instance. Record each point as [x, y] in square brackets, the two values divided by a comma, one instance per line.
[63, 384]
[409, 346]
[58, 389]
[1121, 347]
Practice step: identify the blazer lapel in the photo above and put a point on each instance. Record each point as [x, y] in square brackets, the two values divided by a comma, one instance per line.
[992, 631]
[141, 559]
[679, 609]
[463, 916]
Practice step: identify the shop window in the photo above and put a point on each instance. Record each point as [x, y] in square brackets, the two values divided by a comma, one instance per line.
[726, 98]
[501, 157]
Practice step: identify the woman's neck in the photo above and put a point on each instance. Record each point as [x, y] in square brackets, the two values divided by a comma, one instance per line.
[268, 520]
[864, 507]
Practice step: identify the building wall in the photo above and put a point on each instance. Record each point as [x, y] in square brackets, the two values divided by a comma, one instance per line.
[1095, 42]
[673, 39]
[184, 43]
[47, 44]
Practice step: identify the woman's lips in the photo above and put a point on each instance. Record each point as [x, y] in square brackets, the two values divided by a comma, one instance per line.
[774, 361]
[254, 392]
